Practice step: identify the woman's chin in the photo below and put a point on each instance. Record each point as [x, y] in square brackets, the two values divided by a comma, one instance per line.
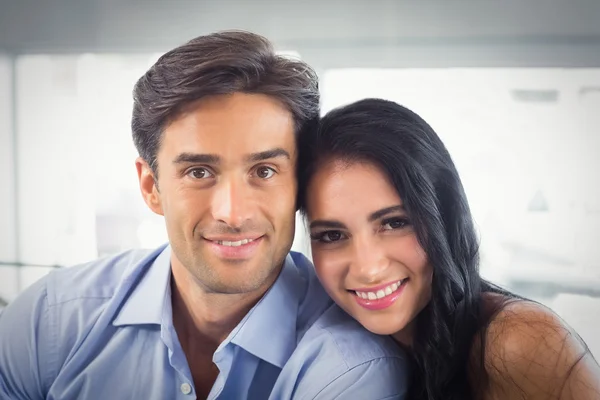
[380, 327]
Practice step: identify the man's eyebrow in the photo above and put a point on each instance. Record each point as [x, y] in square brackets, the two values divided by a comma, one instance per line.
[326, 224]
[268, 154]
[194, 158]
[384, 211]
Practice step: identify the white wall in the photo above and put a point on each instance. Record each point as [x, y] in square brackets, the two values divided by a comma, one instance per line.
[56, 190]
[8, 275]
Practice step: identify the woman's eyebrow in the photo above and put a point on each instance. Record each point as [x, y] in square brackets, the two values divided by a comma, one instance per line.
[385, 211]
[326, 224]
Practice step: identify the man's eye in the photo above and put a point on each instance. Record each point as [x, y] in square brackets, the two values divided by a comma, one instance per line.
[200, 173]
[265, 172]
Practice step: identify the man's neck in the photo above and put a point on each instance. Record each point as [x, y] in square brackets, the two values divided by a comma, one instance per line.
[203, 320]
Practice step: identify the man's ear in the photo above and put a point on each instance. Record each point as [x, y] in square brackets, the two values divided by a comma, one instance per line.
[148, 185]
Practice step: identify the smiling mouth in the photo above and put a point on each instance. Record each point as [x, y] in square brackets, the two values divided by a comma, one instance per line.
[234, 244]
[242, 249]
[381, 293]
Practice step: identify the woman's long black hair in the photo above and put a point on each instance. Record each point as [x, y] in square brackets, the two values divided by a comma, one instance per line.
[417, 163]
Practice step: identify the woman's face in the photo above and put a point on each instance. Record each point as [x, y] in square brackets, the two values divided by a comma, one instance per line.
[365, 250]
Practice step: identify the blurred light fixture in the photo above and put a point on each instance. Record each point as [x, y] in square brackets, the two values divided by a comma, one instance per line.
[535, 95]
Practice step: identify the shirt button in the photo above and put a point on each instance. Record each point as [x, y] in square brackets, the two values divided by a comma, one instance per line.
[186, 388]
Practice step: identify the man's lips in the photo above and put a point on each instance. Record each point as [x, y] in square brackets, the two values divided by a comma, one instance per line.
[225, 239]
[235, 248]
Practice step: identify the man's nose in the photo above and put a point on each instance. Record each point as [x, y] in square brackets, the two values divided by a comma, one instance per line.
[232, 203]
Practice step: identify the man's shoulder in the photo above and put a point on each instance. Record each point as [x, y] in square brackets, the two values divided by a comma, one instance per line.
[95, 279]
[338, 358]
[312, 298]
[65, 323]
[349, 341]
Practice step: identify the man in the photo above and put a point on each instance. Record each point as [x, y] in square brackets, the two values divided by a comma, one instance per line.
[221, 311]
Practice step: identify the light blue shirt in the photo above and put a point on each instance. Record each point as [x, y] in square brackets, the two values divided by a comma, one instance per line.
[104, 330]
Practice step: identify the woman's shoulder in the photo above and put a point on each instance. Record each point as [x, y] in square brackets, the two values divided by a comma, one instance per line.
[518, 320]
[529, 350]
[521, 332]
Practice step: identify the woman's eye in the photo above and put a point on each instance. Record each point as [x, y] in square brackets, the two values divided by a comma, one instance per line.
[332, 236]
[200, 173]
[265, 172]
[395, 223]
[328, 237]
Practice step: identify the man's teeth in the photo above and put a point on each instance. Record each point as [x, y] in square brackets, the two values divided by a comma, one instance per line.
[380, 294]
[234, 244]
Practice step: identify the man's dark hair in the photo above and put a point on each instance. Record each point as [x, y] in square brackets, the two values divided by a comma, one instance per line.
[221, 63]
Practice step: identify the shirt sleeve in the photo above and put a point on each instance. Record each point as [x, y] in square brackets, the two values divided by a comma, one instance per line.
[379, 379]
[24, 333]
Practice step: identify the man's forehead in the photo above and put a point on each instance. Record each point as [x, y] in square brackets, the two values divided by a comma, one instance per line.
[236, 106]
[230, 129]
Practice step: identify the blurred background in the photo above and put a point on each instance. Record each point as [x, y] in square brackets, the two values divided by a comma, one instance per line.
[512, 87]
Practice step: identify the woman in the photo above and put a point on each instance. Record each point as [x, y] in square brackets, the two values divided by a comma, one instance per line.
[394, 245]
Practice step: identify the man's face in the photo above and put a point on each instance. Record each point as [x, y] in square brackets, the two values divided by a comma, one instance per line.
[227, 188]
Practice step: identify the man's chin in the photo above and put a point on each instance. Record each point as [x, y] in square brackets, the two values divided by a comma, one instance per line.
[236, 286]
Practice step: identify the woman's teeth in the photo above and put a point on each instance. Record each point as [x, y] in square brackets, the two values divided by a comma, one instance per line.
[381, 293]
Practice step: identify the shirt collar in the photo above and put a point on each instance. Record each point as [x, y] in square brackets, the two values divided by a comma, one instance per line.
[278, 307]
[144, 305]
[269, 330]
